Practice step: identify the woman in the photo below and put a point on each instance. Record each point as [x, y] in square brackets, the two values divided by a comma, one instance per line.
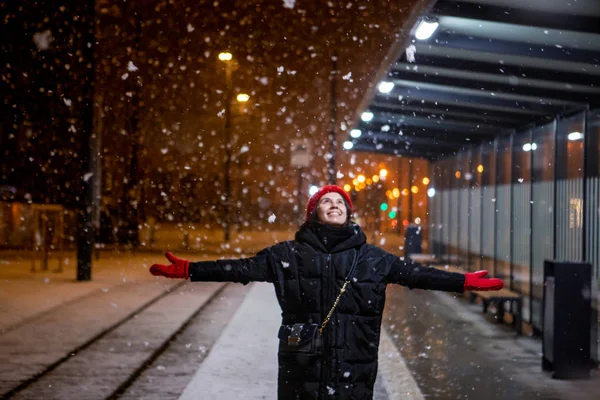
[329, 336]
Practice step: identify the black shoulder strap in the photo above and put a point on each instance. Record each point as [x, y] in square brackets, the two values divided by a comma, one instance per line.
[353, 267]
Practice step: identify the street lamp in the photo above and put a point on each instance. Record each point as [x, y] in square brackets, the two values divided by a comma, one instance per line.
[227, 58]
[242, 97]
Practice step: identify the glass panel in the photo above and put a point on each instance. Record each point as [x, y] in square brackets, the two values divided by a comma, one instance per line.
[542, 228]
[488, 206]
[593, 218]
[503, 208]
[475, 211]
[454, 172]
[463, 207]
[569, 191]
[521, 216]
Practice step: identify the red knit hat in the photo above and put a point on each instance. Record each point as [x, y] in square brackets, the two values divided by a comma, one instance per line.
[314, 199]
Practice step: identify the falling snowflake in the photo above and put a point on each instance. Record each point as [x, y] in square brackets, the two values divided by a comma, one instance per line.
[42, 40]
[131, 67]
[289, 3]
[410, 53]
[68, 102]
[285, 264]
[244, 149]
[87, 176]
[272, 218]
[190, 28]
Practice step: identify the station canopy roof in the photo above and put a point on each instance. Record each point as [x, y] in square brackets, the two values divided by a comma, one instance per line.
[471, 70]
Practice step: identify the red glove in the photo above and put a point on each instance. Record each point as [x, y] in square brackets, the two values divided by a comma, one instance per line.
[476, 281]
[178, 268]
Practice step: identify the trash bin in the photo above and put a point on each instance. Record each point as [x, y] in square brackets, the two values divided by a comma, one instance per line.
[413, 240]
[566, 319]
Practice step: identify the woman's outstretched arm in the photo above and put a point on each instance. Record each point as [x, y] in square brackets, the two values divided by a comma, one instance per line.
[242, 270]
[414, 275]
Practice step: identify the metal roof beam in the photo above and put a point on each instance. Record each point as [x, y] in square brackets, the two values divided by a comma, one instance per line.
[498, 84]
[498, 77]
[372, 148]
[450, 103]
[463, 9]
[408, 89]
[414, 139]
[580, 77]
[434, 123]
[447, 39]
[453, 113]
[434, 132]
[484, 55]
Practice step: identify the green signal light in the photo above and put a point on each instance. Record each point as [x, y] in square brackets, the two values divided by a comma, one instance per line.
[383, 206]
[392, 214]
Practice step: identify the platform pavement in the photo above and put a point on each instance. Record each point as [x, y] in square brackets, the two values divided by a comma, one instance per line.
[242, 364]
[26, 295]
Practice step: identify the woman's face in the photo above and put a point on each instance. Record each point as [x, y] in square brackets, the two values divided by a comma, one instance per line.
[331, 209]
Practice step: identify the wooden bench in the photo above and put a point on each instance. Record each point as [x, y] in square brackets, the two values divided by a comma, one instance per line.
[499, 297]
[448, 267]
[424, 259]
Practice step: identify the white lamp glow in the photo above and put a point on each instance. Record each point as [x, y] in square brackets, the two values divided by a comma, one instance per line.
[385, 87]
[348, 145]
[575, 136]
[366, 116]
[426, 29]
[355, 133]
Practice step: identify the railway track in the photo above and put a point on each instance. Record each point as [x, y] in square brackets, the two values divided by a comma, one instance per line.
[100, 346]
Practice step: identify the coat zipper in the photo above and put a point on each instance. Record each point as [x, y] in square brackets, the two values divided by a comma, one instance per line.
[324, 311]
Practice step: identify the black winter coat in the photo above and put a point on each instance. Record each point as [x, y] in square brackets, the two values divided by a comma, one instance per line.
[307, 279]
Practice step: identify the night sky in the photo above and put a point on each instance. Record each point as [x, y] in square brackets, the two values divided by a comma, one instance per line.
[173, 87]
